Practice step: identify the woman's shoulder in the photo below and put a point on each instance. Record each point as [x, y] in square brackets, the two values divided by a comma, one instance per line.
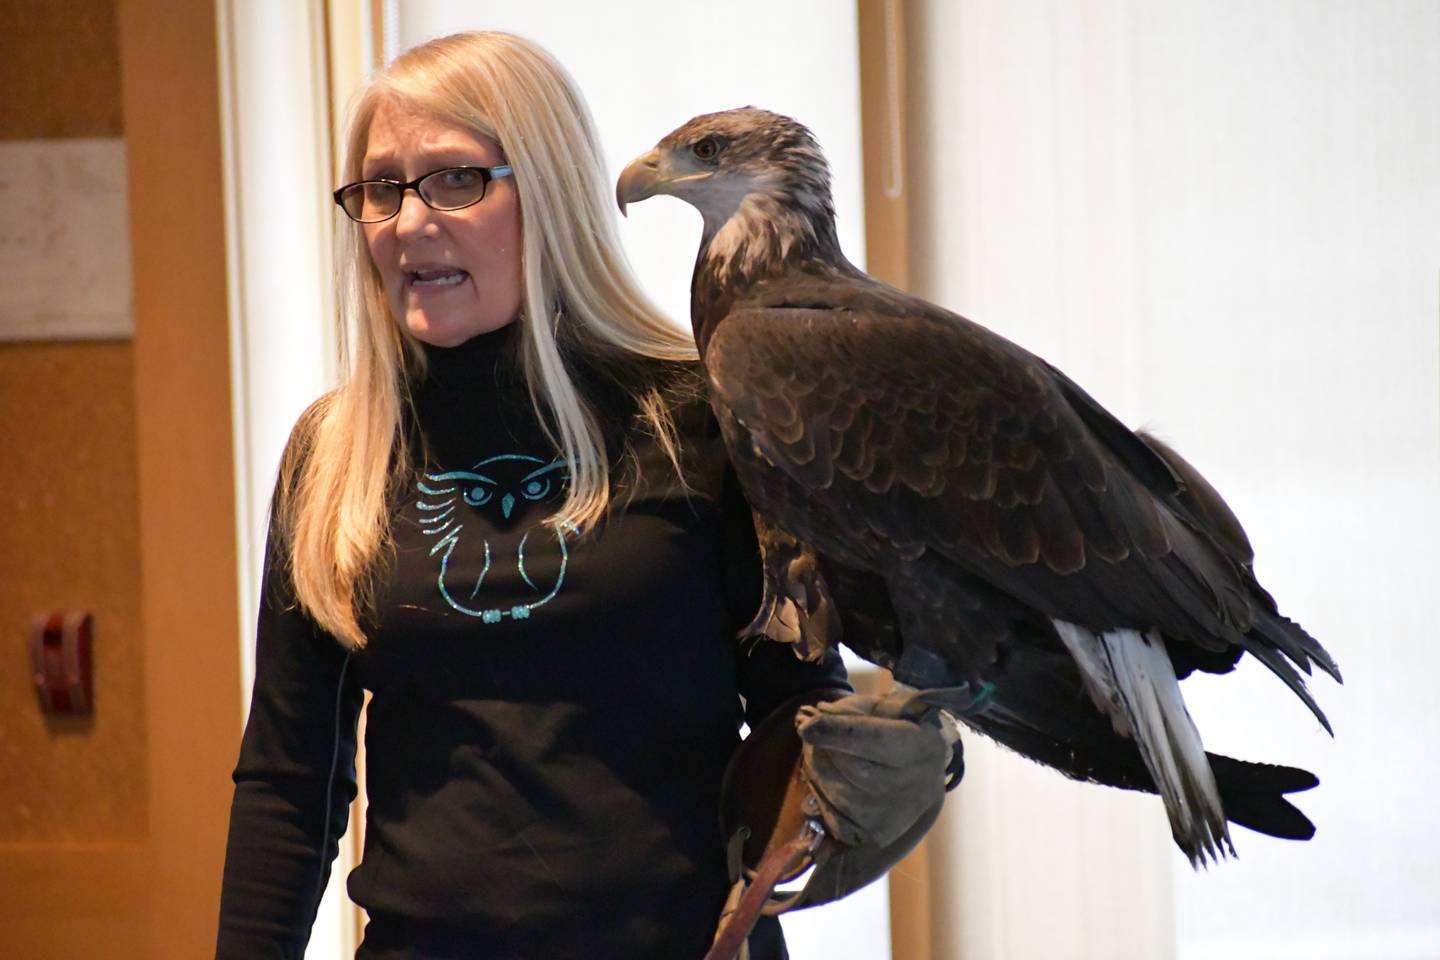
[624, 386]
[684, 390]
[681, 388]
[652, 410]
[314, 413]
[300, 445]
[307, 425]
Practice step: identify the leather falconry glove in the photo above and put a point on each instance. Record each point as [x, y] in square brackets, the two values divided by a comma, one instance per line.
[876, 764]
[873, 769]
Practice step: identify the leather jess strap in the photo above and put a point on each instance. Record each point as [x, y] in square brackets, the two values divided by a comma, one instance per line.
[787, 860]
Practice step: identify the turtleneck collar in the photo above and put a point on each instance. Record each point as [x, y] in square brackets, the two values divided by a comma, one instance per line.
[474, 363]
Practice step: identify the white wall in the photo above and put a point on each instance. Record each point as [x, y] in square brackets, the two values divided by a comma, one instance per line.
[1224, 220]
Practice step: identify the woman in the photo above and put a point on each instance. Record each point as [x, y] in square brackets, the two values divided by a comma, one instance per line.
[513, 523]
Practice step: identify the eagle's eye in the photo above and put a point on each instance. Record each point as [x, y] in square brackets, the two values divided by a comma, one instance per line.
[706, 148]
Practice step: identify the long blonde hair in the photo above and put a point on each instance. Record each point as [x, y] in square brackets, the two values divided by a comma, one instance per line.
[349, 452]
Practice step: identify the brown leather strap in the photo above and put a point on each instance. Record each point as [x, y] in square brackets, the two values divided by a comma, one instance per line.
[785, 860]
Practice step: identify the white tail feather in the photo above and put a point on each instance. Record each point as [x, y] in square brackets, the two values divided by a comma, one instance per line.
[1130, 679]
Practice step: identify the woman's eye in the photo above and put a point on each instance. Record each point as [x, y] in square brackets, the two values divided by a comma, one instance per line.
[536, 489]
[459, 178]
[706, 149]
[476, 496]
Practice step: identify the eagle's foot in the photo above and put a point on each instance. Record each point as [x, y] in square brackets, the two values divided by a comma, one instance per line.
[795, 607]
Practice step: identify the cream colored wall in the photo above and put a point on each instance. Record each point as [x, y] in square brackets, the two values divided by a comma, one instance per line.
[1221, 219]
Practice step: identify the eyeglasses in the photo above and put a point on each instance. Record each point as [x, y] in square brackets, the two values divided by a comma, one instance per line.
[453, 188]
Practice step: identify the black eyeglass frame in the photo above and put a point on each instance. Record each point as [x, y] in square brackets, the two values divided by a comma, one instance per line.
[487, 175]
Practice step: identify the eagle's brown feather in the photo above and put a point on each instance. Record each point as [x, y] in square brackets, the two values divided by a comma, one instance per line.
[965, 506]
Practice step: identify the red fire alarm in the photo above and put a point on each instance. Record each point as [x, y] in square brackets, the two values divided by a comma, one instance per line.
[61, 661]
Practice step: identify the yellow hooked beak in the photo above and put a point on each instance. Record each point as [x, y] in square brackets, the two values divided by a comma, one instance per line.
[640, 180]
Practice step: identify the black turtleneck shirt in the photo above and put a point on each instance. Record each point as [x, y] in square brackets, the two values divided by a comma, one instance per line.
[550, 715]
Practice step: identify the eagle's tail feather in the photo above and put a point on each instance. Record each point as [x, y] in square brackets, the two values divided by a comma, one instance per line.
[1130, 678]
[1255, 796]
[1296, 644]
[1281, 667]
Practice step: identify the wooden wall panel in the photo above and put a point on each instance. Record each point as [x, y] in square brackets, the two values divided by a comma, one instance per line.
[69, 541]
[74, 815]
[59, 69]
[67, 490]
[116, 489]
[884, 106]
[184, 450]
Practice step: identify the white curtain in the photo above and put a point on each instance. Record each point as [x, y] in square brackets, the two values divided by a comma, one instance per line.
[277, 167]
[1223, 219]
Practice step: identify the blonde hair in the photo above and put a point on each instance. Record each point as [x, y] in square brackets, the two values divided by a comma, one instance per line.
[349, 452]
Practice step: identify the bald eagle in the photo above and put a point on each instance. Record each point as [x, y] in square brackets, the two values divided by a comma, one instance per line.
[958, 510]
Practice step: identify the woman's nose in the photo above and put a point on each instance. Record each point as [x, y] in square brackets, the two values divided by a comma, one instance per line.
[415, 216]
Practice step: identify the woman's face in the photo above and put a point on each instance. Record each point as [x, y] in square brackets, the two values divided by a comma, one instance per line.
[448, 275]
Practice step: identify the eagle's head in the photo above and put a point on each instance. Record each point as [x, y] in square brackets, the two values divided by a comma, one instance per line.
[758, 179]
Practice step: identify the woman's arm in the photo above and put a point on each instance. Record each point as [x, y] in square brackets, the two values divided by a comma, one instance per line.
[294, 781]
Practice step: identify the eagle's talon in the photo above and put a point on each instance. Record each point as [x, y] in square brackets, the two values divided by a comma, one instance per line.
[795, 606]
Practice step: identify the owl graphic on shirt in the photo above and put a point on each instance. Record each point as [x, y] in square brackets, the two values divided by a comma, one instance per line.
[458, 507]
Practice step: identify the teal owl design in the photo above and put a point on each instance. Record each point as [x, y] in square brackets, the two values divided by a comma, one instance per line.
[498, 485]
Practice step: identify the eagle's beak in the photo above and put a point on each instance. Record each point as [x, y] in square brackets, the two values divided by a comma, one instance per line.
[640, 180]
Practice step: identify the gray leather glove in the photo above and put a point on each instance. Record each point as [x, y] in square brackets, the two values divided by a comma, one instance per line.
[873, 769]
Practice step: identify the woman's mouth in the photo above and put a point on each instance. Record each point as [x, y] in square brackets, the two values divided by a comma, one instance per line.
[434, 279]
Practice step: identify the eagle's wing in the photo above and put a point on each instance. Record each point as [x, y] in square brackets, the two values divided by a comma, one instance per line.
[908, 425]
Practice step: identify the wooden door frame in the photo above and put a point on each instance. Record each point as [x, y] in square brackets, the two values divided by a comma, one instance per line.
[184, 454]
